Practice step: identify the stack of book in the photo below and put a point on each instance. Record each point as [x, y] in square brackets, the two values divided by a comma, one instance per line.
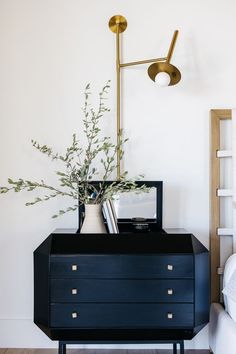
[110, 217]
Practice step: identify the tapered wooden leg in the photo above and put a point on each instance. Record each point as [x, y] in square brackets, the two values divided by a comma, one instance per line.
[174, 348]
[62, 348]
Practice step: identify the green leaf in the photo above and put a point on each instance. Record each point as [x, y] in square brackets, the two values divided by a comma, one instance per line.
[4, 190]
[61, 174]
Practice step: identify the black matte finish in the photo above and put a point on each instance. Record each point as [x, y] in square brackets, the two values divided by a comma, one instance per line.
[122, 284]
[62, 345]
[109, 244]
[122, 266]
[115, 315]
[122, 290]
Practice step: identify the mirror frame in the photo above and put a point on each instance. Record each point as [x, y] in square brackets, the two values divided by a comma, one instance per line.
[157, 222]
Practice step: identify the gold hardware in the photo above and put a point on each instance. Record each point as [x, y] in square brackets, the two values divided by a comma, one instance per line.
[168, 68]
[170, 291]
[172, 46]
[74, 315]
[118, 78]
[119, 22]
[117, 25]
[74, 291]
[170, 315]
[170, 267]
[140, 62]
[74, 267]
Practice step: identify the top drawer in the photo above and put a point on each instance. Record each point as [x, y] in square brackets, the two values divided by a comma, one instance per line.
[122, 266]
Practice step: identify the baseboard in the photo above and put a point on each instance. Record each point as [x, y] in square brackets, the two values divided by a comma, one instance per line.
[20, 333]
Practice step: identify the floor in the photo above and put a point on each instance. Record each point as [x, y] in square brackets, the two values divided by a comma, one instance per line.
[94, 351]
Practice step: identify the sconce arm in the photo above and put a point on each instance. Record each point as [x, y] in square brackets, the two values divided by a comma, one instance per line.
[172, 46]
[142, 62]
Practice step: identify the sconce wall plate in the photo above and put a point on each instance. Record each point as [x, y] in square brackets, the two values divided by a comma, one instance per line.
[118, 22]
[172, 76]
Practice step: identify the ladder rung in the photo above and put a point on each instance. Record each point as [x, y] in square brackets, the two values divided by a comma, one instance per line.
[225, 232]
[224, 192]
[224, 153]
[220, 270]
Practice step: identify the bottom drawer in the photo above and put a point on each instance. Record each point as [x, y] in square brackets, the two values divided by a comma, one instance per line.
[122, 315]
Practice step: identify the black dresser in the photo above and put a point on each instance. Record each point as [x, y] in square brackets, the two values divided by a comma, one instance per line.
[127, 288]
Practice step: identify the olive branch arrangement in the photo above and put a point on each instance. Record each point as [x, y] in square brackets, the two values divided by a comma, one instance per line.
[79, 165]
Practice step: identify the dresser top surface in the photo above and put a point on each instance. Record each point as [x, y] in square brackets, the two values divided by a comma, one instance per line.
[154, 243]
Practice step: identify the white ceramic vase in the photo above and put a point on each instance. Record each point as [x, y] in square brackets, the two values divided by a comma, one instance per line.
[93, 221]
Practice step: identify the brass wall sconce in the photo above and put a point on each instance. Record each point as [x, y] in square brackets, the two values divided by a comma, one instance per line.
[161, 71]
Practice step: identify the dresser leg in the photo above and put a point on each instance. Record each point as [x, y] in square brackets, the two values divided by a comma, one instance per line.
[181, 345]
[62, 348]
[174, 348]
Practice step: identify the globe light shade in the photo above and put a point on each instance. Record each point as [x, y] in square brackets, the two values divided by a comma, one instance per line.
[163, 79]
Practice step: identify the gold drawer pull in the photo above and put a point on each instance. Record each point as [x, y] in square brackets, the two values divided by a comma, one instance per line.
[74, 267]
[74, 291]
[74, 315]
[170, 315]
[170, 267]
[170, 291]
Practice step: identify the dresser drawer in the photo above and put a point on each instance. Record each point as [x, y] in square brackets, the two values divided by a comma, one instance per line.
[122, 266]
[121, 315]
[121, 290]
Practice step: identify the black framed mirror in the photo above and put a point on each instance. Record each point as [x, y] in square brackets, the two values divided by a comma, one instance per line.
[134, 208]
[147, 206]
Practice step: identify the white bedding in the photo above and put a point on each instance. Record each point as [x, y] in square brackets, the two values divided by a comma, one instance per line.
[222, 327]
[222, 331]
[229, 287]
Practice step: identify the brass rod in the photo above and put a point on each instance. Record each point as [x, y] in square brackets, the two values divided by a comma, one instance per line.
[172, 46]
[118, 98]
[142, 62]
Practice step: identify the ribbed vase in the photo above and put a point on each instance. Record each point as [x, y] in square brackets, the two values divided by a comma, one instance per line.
[93, 221]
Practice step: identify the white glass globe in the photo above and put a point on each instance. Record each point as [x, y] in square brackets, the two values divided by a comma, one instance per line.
[162, 79]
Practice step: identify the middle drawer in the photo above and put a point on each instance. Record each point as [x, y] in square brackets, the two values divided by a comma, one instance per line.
[121, 290]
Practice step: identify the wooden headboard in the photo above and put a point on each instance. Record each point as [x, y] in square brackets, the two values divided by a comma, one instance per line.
[220, 193]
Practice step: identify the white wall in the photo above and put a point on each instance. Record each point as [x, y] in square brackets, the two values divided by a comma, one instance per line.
[49, 50]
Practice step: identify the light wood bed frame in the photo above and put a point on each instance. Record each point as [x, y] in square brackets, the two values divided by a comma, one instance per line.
[215, 193]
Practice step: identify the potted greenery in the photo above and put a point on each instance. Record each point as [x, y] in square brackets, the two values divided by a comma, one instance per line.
[80, 168]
